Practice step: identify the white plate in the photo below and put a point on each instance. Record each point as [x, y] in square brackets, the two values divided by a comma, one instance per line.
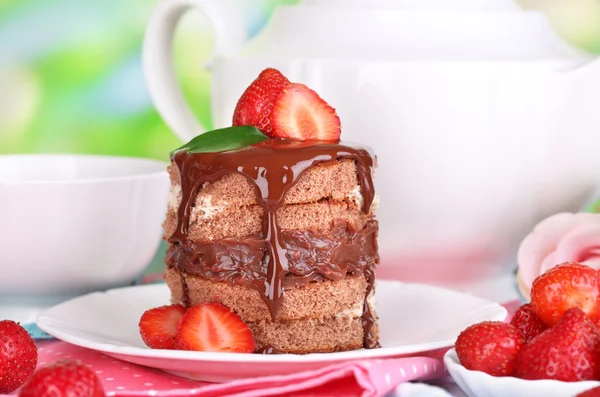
[480, 384]
[414, 318]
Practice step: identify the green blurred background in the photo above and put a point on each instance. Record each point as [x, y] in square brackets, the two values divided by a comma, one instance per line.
[71, 78]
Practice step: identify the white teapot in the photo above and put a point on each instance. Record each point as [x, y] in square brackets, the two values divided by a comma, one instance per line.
[483, 120]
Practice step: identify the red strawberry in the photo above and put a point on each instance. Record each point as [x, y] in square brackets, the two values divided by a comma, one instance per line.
[563, 287]
[568, 351]
[63, 379]
[18, 356]
[256, 103]
[158, 326]
[491, 347]
[212, 327]
[595, 392]
[300, 113]
[527, 322]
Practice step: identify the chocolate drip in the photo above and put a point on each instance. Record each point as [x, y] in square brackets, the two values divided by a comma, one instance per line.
[273, 167]
[185, 291]
[368, 319]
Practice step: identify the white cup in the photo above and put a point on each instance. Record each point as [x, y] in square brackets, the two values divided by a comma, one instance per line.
[73, 224]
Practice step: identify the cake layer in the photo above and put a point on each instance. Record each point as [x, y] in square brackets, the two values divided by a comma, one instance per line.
[335, 180]
[317, 335]
[228, 207]
[239, 222]
[311, 301]
[318, 317]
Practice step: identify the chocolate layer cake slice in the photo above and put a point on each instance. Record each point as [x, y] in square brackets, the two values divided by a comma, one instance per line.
[283, 233]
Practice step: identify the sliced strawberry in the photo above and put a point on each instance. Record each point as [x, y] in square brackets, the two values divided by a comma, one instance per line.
[567, 351]
[491, 347]
[256, 103]
[300, 113]
[527, 322]
[158, 326]
[563, 287]
[212, 327]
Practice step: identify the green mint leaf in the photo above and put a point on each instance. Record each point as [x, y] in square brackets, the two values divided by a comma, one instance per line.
[224, 139]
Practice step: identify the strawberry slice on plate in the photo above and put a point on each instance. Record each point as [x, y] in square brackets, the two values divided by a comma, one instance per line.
[212, 327]
[158, 326]
[301, 114]
[256, 103]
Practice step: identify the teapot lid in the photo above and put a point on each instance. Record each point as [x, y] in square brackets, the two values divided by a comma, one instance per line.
[411, 29]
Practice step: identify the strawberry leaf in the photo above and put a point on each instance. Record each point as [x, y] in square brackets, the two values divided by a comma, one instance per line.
[224, 139]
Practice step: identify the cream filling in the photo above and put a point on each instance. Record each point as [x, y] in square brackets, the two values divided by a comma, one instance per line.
[174, 197]
[371, 301]
[356, 196]
[354, 311]
[375, 204]
[357, 309]
[205, 209]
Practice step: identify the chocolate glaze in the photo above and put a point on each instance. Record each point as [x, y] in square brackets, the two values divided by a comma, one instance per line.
[185, 291]
[267, 263]
[311, 256]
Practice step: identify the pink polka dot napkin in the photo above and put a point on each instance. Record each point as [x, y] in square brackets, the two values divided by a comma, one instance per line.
[362, 378]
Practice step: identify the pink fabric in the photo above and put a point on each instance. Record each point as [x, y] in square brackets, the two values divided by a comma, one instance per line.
[363, 378]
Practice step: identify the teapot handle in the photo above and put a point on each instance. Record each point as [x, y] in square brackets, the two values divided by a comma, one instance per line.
[157, 57]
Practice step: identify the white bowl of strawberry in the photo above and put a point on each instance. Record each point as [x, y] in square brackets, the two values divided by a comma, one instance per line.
[551, 347]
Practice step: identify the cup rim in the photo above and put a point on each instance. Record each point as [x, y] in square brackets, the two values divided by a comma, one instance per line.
[158, 171]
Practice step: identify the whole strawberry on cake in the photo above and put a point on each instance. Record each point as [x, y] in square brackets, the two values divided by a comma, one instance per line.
[272, 221]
